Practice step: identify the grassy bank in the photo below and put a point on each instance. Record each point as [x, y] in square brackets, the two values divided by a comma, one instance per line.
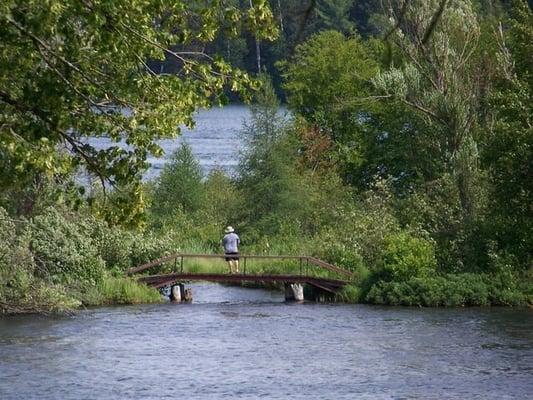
[61, 260]
[120, 290]
[43, 298]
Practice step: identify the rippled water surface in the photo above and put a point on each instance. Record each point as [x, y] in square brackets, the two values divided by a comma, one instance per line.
[216, 140]
[240, 343]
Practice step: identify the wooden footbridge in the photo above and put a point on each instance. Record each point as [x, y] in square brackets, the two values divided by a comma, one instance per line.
[293, 271]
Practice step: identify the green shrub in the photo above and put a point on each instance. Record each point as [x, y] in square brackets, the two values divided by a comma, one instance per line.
[114, 245]
[343, 255]
[149, 247]
[13, 252]
[451, 290]
[508, 289]
[467, 290]
[20, 290]
[405, 257]
[62, 248]
[358, 230]
[349, 294]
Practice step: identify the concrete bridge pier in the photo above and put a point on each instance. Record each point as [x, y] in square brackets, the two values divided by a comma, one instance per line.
[178, 293]
[294, 292]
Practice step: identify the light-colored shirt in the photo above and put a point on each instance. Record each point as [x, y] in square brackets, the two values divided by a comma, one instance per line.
[231, 242]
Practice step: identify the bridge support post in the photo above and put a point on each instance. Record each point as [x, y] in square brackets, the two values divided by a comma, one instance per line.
[187, 295]
[175, 293]
[294, 292]
[179, 294]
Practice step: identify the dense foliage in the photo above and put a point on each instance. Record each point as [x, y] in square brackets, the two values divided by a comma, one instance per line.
[406, 156]
[74, 69]
[60, 259]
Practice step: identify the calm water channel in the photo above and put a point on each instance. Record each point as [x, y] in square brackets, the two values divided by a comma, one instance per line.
[240, 343]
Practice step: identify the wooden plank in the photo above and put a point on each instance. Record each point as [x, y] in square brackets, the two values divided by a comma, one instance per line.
[329, 267]
[150, 264]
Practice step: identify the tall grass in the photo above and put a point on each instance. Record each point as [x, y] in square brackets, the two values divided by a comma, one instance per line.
[252, 266]
[120, 290]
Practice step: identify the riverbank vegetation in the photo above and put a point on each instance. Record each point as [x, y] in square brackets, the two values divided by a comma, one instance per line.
[405, 158]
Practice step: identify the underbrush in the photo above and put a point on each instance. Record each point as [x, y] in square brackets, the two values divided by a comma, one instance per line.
[405, 274]
[452, 290]
[60, 260]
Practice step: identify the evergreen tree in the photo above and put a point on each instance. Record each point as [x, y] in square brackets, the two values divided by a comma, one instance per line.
[179, 187]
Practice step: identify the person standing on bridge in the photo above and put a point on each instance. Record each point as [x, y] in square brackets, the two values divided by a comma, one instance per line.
[231, 242]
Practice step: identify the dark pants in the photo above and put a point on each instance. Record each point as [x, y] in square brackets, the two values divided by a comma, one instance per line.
[231, 256]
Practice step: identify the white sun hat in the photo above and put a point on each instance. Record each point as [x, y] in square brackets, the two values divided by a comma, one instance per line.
[229, 229]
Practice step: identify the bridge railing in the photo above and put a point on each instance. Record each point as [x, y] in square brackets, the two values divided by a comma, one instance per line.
[301, 265]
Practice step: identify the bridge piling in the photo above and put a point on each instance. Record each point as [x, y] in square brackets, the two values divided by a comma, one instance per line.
[178, 293]
[187, 297]
[294, 292]
[175, 293]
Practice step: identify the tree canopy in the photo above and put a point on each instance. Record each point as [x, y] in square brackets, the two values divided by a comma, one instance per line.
[79, 68]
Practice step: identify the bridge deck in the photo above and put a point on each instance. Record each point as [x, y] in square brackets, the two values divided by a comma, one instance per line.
[157, 281]
[243, 257]
[326, 284]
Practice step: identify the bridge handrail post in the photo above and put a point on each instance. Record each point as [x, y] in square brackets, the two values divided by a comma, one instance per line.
[181, 265]
[244, 265]
[301, 266]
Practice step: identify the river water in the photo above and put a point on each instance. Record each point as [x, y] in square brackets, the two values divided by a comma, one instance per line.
[238, 343]
[216, 140]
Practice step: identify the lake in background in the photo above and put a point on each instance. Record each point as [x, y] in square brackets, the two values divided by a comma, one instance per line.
[216, 140]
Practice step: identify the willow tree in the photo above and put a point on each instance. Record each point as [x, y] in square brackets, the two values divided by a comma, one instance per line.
[81, 68]
[509, 154]
[441, 79]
